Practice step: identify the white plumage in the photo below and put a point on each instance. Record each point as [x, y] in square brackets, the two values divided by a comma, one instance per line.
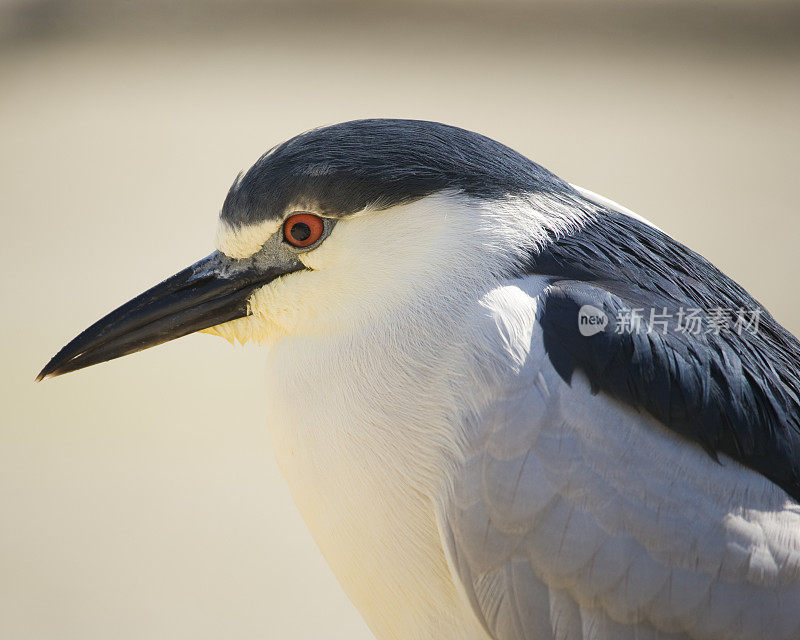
[459, 488]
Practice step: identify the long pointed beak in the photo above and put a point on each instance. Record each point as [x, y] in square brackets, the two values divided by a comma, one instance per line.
[210, 292]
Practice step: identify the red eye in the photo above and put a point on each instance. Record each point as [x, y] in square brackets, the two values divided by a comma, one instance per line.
[303, 229]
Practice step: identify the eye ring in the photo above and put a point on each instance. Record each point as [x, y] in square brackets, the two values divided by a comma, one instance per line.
[303, 229]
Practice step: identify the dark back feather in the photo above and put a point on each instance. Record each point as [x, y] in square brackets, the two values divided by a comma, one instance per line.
[733, 391]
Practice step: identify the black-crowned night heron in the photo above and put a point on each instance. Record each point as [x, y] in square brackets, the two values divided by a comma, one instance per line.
[506, 407]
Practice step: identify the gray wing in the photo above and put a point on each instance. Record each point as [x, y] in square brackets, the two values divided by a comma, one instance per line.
[575, 516]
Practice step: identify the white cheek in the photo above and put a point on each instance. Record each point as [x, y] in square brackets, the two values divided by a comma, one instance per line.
[425, 254]
[338, 249]
[394, 240]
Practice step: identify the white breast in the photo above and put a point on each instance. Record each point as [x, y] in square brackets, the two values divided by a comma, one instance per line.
[362, 439]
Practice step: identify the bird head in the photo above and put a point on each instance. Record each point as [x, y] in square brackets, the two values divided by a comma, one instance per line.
[338, 226]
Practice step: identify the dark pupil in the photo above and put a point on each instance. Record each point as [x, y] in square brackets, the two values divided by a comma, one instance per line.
[300, 231]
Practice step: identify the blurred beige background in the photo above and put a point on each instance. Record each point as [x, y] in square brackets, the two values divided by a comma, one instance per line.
[139, 498]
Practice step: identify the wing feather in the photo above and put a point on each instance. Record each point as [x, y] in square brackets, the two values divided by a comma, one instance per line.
[574, 515]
